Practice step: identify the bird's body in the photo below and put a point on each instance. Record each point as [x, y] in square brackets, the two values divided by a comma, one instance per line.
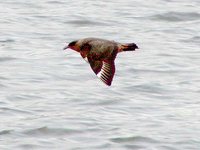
[100, 54]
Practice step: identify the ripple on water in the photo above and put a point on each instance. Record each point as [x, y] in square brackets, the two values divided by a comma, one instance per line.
[83, 22]
[55, 2]
[147, 88]
[7, 41]
[134, 142]
[14, 111]
[5, 59]
[176, 16]
[133, 139]
[29, 146]
[167, 148]
[4, 132]
[194, 39]
[47, 131]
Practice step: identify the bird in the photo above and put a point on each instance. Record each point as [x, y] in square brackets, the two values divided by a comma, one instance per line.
[100, 54]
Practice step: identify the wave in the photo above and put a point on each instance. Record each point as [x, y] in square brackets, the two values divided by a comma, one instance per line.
[50, 131]
[133, 139]
[81, 22]
[176, 16]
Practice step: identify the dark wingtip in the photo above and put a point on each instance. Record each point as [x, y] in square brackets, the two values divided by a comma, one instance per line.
[108, 84]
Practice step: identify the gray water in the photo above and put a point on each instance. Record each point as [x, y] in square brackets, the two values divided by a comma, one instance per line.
[51, 99]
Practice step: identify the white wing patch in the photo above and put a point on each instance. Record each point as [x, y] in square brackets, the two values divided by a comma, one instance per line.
[106, 73]
[86, 59]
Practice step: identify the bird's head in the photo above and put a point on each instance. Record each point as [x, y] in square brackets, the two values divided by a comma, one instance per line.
[73, 45]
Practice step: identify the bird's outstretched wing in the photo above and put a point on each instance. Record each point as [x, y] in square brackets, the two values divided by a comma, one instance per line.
[105, 70]
[103, 67]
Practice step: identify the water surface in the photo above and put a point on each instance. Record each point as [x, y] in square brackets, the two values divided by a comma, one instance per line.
[51, 99]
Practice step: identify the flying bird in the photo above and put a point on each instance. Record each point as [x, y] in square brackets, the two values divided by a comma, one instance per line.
[101, 54]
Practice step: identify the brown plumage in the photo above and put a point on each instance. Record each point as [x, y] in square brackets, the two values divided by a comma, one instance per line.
[101, 54]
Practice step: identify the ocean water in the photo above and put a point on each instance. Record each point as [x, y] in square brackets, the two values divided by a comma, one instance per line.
[51, 99]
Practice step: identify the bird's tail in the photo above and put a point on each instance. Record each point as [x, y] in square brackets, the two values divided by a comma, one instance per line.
[128, 47]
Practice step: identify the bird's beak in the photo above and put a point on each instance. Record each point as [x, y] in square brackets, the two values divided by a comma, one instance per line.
[66, 47]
